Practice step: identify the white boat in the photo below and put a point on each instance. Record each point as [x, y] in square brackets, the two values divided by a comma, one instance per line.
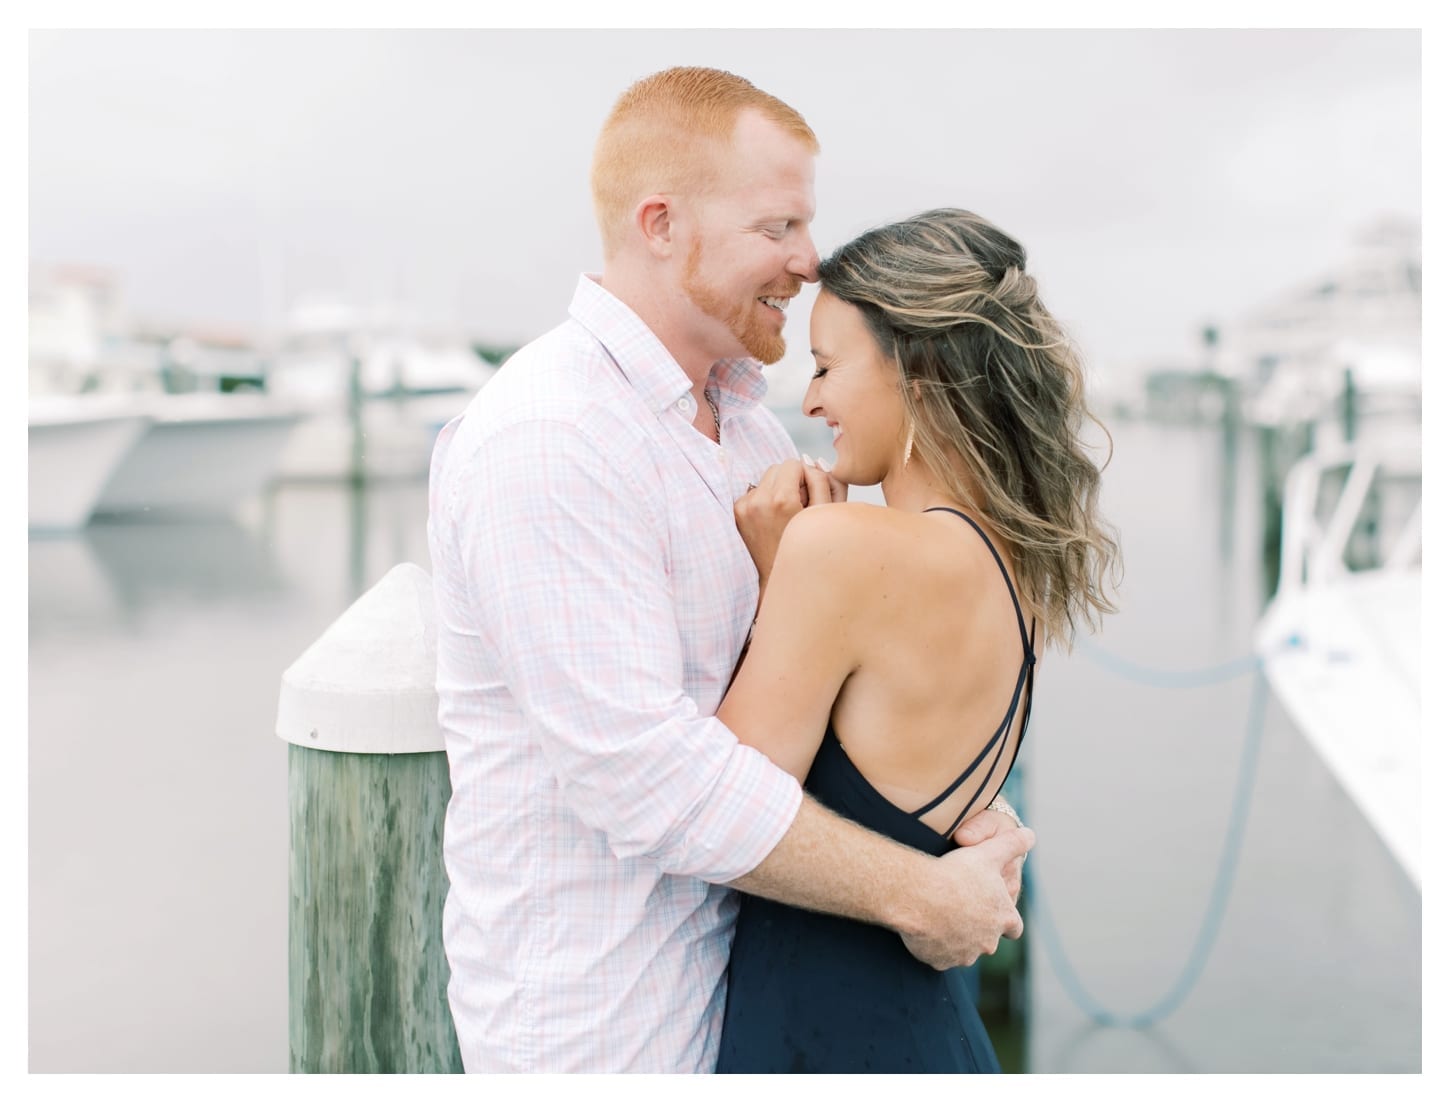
[1341, 647]
[76, 445]
[397, 439]
[203, 453]
[407, 389]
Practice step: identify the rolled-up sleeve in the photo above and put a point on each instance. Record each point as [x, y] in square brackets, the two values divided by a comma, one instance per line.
[567, 560]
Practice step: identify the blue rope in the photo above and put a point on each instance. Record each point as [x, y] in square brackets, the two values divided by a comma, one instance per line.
[1177, 679]
[1218, 896]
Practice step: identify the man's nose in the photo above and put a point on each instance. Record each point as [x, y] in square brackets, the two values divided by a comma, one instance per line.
[806, 262]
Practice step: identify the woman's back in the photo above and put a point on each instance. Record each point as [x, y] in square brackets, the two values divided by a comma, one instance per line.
[946, 655]
[814, 992]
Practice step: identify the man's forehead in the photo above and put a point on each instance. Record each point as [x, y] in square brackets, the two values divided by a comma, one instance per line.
[759, 204]
[785, 183]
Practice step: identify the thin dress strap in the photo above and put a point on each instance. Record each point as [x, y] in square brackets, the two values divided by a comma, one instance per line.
[1024, 680]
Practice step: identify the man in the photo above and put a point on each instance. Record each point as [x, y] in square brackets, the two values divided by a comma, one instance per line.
[593, 596]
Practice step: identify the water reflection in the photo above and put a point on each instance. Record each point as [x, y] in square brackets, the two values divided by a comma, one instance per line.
[1095, 1047]
[196, 561]
[69, 588]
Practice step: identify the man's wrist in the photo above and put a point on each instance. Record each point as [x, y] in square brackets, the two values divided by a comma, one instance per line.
[909, 910]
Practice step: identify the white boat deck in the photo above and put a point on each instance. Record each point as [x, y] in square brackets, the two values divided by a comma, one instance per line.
[1342, 650]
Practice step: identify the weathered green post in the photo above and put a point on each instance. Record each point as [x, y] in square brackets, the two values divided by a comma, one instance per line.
[367, 784]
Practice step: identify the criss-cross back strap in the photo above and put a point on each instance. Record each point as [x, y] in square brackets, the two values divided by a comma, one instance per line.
[1024, 680]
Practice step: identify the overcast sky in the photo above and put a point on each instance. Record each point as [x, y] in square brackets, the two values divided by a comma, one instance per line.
[1159, 179]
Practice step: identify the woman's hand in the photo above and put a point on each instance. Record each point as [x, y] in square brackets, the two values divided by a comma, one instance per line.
[765, 509]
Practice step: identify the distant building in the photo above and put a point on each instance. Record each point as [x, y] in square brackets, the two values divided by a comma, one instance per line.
[1292, 354]
[1184, 395]
[83, 338]
[76, 317]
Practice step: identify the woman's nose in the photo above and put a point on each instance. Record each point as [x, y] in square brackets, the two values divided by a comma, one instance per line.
[809, 405]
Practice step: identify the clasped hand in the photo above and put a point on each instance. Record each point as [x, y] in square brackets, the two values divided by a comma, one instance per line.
[763, 511]
[975, 904]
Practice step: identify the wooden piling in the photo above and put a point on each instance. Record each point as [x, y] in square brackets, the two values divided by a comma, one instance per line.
[367, 791]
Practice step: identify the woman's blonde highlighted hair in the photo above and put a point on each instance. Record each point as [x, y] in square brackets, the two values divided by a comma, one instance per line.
[994, 389]
[665, 134]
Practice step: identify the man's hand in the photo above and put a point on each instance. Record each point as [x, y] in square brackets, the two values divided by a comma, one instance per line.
[970, 909]
[988, 824]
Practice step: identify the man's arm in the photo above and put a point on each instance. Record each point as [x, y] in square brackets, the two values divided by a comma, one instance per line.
[949, 910]
[565, 551]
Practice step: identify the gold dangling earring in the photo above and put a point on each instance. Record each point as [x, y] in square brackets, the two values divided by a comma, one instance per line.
[910, 439]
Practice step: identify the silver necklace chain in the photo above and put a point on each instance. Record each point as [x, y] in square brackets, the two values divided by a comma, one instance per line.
[715, 412]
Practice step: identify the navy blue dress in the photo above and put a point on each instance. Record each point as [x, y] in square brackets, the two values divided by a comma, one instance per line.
[810, 992]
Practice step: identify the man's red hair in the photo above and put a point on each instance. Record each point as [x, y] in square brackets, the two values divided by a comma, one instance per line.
[664, 136]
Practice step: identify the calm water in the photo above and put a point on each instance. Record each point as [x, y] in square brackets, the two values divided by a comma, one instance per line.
[158, 795]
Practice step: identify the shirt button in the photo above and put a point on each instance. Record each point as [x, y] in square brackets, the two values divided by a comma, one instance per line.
[684, 404]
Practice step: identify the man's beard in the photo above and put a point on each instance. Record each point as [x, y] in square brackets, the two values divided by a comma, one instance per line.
[760, 338]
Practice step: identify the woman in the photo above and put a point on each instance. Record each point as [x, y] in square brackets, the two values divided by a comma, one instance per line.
[891, 667]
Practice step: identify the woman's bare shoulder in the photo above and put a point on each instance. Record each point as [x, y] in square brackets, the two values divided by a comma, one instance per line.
[845, 524]
[849, 539]
[848, 519]
[852, 542]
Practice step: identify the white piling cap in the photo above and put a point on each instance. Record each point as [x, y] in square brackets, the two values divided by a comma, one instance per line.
[367, 685]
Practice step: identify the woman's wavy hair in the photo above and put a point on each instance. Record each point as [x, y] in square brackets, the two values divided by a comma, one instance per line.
[993, 387]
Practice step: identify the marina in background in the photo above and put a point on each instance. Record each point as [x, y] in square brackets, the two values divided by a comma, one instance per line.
[340, 394]
[1275, 902]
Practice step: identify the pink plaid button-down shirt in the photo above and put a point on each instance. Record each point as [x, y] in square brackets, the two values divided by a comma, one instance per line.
[593, 596]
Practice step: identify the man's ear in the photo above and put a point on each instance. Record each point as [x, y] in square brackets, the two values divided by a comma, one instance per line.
[654, 219]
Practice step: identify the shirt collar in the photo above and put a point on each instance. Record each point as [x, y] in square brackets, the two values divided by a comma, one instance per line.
[647, 364]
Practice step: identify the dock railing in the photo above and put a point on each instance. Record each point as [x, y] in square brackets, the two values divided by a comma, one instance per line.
[367, 784]
[1314, 553]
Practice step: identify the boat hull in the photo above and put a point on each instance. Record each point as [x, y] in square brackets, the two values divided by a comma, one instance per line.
[200, 463]
[1344, 660]
[71, 459]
